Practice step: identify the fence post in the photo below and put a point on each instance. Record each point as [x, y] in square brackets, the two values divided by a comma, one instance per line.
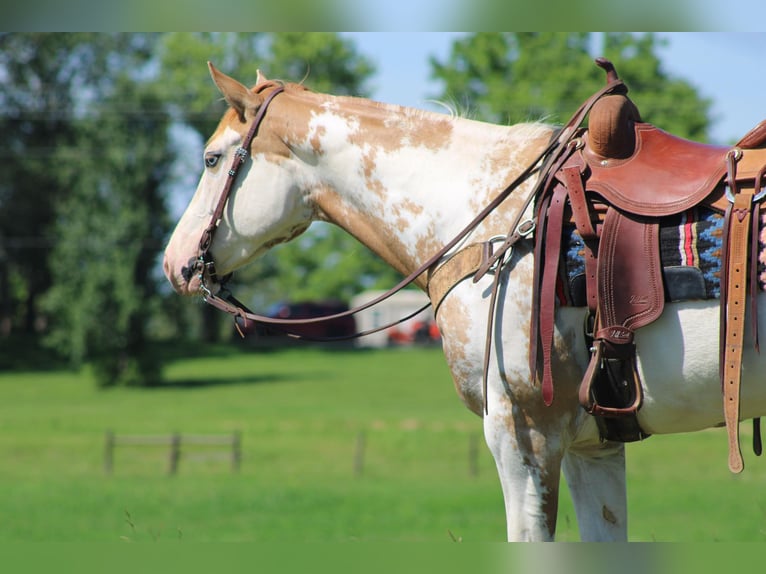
[236, 451]
[473, 454]
[109, 452]
[175, 453]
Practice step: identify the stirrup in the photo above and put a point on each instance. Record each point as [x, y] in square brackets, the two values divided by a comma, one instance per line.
[611, 391]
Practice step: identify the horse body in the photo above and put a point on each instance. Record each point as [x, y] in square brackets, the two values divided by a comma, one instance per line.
[405, 182]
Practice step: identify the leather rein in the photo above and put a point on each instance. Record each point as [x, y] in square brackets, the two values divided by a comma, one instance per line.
[203, 264]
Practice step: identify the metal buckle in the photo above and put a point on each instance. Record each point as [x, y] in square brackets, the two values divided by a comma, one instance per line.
[756, 198]
[576, 143]
[499, 262]
[523, 229]
[526, 227]
[206, 292]
[736, 153]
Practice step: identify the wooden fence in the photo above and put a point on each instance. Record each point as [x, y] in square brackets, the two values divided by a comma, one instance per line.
[205, 446]
[229, 447]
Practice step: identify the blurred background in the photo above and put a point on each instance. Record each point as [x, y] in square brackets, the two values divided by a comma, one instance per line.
[102, 148]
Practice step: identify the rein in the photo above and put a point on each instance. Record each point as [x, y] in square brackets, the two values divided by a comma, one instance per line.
[519, 229]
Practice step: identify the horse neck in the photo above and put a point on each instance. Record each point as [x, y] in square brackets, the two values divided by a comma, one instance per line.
[405, 182]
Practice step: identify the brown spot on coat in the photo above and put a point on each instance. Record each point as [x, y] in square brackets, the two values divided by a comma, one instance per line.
[608, 515]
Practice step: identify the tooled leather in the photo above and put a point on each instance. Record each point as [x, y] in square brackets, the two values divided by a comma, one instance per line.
[666, 174]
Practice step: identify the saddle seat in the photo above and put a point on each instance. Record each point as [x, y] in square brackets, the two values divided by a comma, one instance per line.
[665, 174]
[643, 170]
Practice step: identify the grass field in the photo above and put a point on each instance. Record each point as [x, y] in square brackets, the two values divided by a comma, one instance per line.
[301, 413]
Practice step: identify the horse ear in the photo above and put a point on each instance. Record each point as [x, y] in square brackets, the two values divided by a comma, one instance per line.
[236, 95]
[261, 78]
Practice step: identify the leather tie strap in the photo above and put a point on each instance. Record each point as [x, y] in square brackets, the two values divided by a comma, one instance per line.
[738, 236]
[551, 260]
[572, 177]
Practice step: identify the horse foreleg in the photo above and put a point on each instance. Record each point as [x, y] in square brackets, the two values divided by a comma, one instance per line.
[529, 465]
[596, 480]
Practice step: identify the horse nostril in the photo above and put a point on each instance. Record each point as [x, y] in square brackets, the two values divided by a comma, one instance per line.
[186, 273]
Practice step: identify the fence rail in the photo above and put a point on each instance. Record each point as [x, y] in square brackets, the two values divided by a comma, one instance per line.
[177, 444]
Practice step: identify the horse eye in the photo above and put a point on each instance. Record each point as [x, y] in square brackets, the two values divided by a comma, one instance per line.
[211, 159]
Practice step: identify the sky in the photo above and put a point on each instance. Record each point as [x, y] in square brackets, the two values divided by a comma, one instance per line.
[726, 67]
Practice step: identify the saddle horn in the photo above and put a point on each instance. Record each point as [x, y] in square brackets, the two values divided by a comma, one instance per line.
[608, 67]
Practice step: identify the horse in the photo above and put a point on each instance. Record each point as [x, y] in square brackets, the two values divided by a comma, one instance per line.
[404, 182]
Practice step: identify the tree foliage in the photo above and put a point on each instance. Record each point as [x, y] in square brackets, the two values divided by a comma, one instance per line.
[48, 83]
[513, 77]
[109, 230]
[82, 210]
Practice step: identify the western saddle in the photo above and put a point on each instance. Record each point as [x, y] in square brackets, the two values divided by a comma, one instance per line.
[623, 176]
[614, 181]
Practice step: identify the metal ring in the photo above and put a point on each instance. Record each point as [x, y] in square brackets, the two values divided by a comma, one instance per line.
[737, 152]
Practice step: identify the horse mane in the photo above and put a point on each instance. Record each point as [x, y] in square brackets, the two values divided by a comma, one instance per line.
[528, 129]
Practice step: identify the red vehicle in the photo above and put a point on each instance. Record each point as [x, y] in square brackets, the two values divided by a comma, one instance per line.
[335, 328]
[416, 332]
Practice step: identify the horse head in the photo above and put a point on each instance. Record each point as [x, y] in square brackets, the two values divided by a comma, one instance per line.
[266, 205]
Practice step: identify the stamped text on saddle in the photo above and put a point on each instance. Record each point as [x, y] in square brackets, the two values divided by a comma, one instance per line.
[620, 177]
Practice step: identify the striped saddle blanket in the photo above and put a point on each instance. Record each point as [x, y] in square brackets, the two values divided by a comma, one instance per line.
[690, 250]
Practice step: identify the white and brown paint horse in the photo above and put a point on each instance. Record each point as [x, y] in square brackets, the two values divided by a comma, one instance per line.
[404, 182]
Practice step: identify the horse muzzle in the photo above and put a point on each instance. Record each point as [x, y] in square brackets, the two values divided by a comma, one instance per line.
[185, 279]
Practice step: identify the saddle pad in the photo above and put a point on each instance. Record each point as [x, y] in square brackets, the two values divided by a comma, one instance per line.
[690, 251]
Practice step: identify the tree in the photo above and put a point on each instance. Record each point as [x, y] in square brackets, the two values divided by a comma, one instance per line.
[48, 81]
[110, 229]
[514, 77]
[83, 218]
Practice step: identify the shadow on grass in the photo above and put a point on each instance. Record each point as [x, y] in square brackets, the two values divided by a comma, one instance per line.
[221, 380]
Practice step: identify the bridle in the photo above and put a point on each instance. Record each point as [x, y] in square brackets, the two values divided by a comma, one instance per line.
[204, 266]
[203, 262]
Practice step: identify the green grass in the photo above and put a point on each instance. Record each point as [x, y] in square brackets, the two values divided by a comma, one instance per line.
[301, 412]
